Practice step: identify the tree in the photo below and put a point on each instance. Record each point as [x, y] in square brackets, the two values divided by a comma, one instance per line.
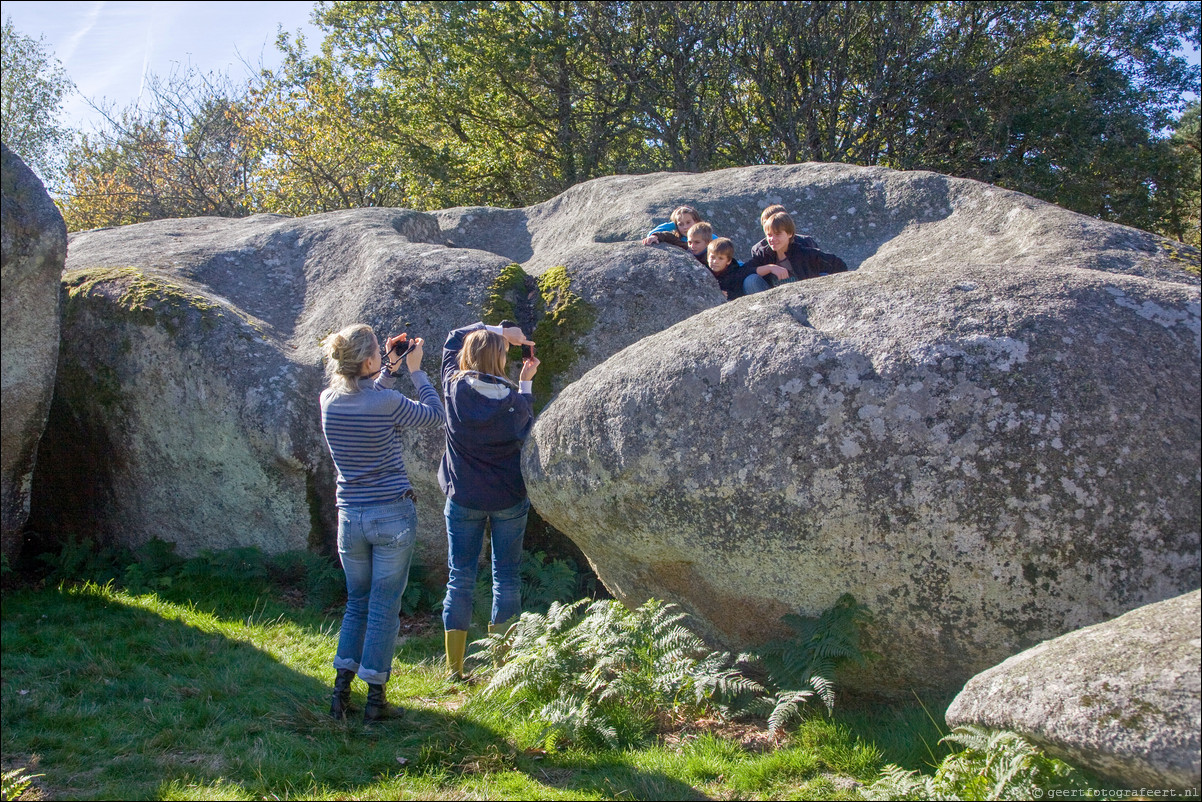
[429, 105]
[187, 154]
[330, 143]
[504, 103]
[1185, 211]
[33, 85]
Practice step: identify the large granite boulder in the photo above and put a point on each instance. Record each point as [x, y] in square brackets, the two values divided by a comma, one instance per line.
[186, 406]
[187, 402]
[988, 448]
[33, 247]
[1122, 698]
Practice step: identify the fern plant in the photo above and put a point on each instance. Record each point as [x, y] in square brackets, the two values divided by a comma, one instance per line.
[803, 667]
[600, 673]
[15, 782]
[991, 765]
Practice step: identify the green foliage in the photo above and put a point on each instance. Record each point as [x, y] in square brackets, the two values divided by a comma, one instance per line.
[80, 560]
[602, 674]
[991, 765]
[432, 105]
[545, 581]
[33, 86]
[1064, 100]
[421, 595]
[803, 666]
[1186, 212]
[155, 566]
[15, 782]
[319, 577]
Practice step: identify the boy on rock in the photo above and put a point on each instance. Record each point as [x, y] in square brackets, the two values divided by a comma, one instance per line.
[726, 268]
[784, 260]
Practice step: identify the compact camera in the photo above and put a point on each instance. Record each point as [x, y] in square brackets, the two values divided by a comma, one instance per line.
[402, 348]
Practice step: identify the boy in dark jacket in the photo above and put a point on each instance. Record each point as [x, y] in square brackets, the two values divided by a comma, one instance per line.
[726, 268]
[801, 239]
[784, 260]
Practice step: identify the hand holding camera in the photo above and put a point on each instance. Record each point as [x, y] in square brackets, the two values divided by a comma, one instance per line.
[529, 363]
[402, 347]
[513, 335]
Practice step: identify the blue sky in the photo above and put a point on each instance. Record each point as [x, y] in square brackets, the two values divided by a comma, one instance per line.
[107, 48]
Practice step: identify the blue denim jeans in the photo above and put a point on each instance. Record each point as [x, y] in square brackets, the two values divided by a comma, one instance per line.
[754, 283]
[375, 544]
[465, 538]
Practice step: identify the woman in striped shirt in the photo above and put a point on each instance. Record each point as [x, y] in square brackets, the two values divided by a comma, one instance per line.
[361, 417]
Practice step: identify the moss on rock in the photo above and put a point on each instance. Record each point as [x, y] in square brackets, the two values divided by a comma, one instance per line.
[504, 295]
[144, 299]
[557, 319]
[565, 320]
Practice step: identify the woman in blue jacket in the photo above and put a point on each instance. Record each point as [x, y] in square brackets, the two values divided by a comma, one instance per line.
[488, 419]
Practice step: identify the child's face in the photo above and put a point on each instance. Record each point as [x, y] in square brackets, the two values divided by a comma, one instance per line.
[687, 221]
[777, 240]
[698, 243]
[719, 262]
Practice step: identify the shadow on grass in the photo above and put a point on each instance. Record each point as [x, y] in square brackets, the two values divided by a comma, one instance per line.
[120, 701]
[615, 779]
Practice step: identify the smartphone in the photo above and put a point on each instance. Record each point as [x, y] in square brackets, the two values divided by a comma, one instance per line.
[528, 351]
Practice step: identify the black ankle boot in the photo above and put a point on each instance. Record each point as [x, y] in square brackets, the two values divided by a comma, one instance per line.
[340, 704]
[377, 708]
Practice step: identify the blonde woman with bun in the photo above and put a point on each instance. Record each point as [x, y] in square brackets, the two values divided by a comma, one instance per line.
[362, 417]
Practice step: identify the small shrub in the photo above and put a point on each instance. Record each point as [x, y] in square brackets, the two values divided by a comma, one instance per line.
[544, 582]
[80, 560]
[320, 578]
[420, 596]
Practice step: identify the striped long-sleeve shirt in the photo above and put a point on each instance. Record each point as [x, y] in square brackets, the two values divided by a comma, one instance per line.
[361, 431]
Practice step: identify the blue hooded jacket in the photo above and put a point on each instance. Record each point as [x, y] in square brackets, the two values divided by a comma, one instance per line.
[482, 466]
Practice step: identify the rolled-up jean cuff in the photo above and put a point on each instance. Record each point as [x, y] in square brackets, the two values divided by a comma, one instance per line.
[373, 677]
[345, 664]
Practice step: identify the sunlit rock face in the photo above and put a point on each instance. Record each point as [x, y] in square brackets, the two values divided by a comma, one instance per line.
[988, 432]
[187, 403]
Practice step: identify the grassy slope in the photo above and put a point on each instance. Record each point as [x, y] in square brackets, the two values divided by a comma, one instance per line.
[220, 690]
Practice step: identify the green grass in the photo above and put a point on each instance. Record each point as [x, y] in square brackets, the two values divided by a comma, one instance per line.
[211, 689]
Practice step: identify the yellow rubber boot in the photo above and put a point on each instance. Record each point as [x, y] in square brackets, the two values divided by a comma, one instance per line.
[456, 645]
